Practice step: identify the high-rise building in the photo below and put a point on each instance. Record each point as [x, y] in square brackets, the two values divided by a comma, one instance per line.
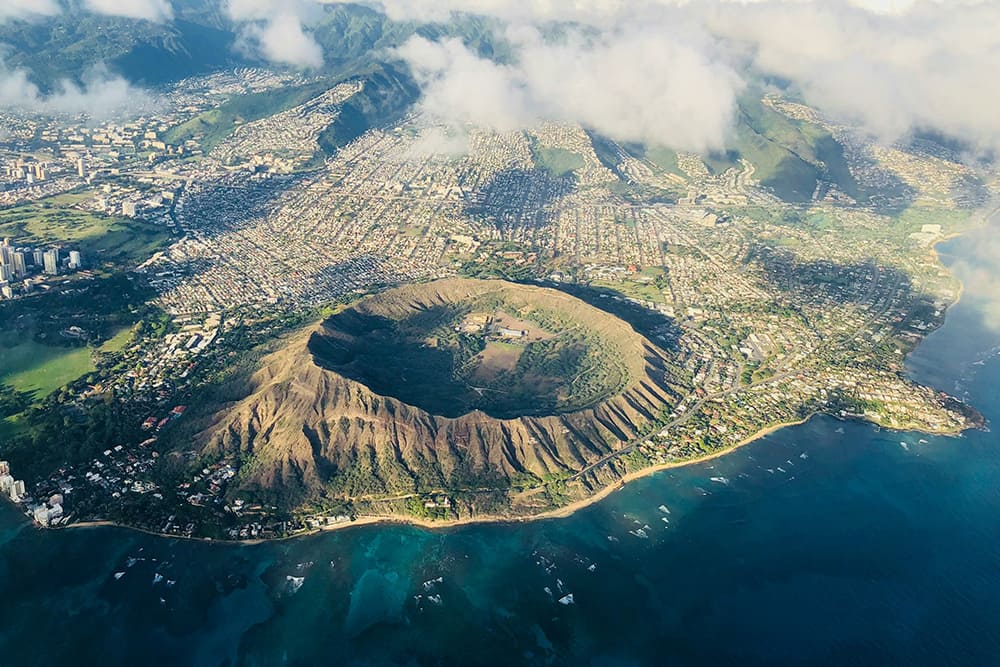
[39, 256]
[75, 259]
[52, 262]
[20, 264]
[81, 168]
[5, 273]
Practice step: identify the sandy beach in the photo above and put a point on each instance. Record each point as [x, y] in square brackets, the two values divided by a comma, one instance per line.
[561, 512]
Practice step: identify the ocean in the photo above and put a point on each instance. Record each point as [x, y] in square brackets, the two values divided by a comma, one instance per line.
[830, 543]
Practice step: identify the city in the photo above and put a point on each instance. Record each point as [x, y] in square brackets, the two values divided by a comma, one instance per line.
[769, 320]
[481, 333]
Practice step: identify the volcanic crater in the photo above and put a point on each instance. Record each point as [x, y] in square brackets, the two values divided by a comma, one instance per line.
[442, 386]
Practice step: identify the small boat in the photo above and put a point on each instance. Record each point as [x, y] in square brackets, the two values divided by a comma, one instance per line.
[592, 568]
[119, 575]
[157, 578]
[664, 509]
[720, 480]
[567, 599]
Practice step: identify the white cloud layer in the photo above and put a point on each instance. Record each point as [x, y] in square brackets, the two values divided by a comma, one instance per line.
[599, 12]
[28, 8]
[275, 30]
[679, 96]
[893, 66]
[670, 70]
[150, 10]
[934, 66]
[100, 95]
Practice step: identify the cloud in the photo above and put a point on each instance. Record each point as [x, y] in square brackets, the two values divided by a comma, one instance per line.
[599, 12]
[276, 31]
[150, 10]
[460, 87]
[635, 84]
[928, 67]
[975, 259]
[28, 8]
[100, 95]
[667, 70]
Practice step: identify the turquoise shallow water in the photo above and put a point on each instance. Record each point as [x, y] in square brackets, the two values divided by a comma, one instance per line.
[831, 544]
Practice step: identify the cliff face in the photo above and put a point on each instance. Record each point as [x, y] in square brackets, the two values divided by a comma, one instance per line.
[304, 429]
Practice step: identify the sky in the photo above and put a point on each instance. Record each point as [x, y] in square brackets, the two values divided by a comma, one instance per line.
[663, 71]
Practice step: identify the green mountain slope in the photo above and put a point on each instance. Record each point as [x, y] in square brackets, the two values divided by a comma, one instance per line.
[66, 46]
[388, 94]
[790, 156]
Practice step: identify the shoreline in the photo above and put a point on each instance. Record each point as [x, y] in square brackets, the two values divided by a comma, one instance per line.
[558, 513]
[428, 524]
[936, 254]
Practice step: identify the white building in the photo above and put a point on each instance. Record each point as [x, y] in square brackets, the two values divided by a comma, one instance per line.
[51, 261]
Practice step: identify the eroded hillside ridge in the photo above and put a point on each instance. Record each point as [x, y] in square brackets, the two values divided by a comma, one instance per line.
[307, 429]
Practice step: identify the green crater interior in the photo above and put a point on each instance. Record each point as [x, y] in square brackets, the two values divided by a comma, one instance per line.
[496, 351]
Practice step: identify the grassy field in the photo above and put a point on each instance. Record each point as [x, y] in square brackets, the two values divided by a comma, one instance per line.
[101, 239]
[664, 158]
[951, 221]
[558, 162]
[118, 342]
[32, 367]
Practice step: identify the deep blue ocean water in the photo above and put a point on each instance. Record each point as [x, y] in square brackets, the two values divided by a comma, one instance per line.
[832, 544]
